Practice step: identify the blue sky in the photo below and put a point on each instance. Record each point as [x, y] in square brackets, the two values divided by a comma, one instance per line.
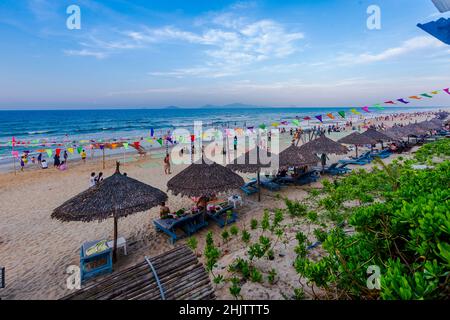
[148, 53]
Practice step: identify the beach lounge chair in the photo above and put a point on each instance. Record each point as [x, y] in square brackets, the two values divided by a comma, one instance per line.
[250, 187]
[270, 184]
[335, 169]
[383, 154]
[308, 177]
[188, 225]
[224, 216]
[361, 160]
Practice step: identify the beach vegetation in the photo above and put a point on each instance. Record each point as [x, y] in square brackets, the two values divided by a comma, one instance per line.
[246, 236]
[401, 224]
[234, 231]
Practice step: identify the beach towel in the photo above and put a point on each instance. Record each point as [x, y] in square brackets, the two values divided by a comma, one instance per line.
[97, 248]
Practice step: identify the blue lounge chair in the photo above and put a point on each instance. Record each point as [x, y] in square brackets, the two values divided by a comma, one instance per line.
[188, 225]
[221, 217]
[250, 187]
[307, 178]
[336, 169]
[382, 154]
[361, 160]
[270, 184]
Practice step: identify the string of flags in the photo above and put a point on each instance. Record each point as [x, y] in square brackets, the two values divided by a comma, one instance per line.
[78, 146]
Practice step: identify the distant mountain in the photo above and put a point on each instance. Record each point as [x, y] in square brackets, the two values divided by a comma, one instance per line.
[230, 106]
[171, 107]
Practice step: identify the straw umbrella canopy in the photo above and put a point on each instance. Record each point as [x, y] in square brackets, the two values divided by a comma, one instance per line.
[202, 179]
[414, 129]
[248, 163]
[430, 125]
[437, 122]
[324, 146]
[356, 139]
[377, 135]
[117, 196]
[396, 132]
[294, 156]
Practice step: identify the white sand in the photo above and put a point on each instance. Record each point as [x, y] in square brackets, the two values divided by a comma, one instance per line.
[36, 250]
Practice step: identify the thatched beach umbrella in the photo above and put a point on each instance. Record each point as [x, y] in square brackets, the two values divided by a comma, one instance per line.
[414, 129]
[250, 162]
[324, 146]
[396, 132]
[430, 125]
[294, 156]
[377, 135]
[202, 179]
[356, 139]
[117, 196]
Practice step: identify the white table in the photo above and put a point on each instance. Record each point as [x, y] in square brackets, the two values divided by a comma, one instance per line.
[235, 200]
[121, 243]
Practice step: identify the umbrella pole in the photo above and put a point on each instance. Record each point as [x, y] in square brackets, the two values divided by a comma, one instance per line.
[259, 185]
[103, 158]
[115, 240]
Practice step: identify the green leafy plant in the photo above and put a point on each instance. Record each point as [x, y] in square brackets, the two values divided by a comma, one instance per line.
[246, 236]
[271, 276]
[253, 224]
[192, 243]
[295, 208]
[234, 230]
[402, 225]
[235, 288]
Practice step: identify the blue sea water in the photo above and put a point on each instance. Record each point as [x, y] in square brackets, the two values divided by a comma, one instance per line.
[75, 125]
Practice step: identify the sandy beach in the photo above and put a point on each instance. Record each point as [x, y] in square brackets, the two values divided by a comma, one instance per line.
[36, 250]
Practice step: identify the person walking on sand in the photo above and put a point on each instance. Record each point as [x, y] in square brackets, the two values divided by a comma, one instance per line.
[167, 164]
[66, 155]
[39, 158]
[56, 161]
[22, 164]
[83, 156]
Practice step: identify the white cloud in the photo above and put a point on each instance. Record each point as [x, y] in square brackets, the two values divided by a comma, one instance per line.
[86, 53]
[407, 47]
[232, 42]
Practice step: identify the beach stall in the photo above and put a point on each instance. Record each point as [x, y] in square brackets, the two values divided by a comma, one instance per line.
[202, 180]
[251, 162]
[357, 139]
[295, 157]
[377, 135]
[174, 275]
[117, 196]
[323, 146]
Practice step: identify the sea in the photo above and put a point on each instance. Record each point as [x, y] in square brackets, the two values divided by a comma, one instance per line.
[47, 127]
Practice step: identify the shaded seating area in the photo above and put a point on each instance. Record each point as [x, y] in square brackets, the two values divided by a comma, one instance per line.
[250, 187]
[363, 159]
[336, 169]
[115, 197]
[205, 181]
[174, 275]
[182, 225]
[222, 214]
